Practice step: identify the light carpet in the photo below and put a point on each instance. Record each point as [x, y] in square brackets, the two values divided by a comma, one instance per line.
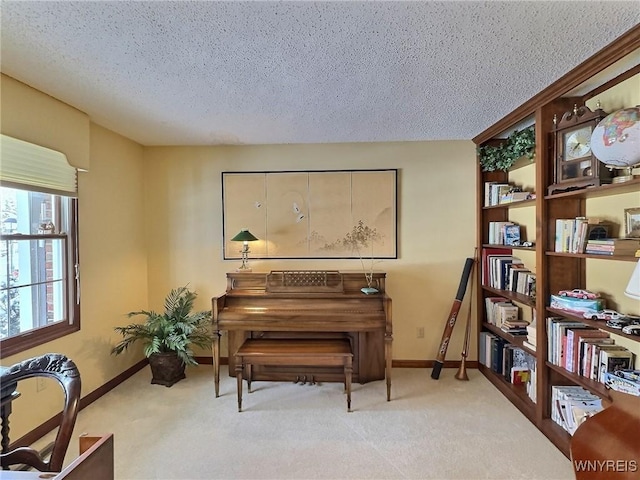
[431, 429]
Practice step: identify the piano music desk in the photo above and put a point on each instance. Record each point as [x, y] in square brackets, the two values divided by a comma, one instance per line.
[303, 353]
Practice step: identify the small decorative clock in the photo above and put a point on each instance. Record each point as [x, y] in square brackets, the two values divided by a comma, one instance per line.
[575, 165]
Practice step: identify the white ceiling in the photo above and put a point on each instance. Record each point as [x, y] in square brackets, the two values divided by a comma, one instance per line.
[239, 72]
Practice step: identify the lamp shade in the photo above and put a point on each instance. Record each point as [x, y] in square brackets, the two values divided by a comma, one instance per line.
[633, 289]
[244, 236]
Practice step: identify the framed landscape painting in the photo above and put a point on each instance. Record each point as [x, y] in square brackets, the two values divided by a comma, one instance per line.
[632, 222]
[312, 214]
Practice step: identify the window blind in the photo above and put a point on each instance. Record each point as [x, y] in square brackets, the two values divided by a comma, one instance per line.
[24, 164]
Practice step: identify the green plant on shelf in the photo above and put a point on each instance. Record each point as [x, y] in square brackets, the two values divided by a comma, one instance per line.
[521, 143]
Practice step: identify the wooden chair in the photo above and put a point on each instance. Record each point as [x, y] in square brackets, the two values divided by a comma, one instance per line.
[606, 446]
[62, 369]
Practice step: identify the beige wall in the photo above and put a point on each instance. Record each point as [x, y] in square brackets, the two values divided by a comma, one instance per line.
[436, 220]
[32, 116]
[112, 252]
[151, 220]
[610, 278]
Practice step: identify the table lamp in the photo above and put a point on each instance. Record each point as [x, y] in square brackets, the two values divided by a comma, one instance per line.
[633, 289]
[245, 237]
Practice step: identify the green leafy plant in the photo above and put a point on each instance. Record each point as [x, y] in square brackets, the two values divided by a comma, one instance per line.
[174, 330]
[521, 143]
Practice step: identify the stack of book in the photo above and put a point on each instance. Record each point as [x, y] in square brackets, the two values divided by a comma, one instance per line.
[572, 234]
[497, 193]
[504, 233]
[572, 405]
[531, 341]
[613, 246]
[515, 327]
[500, 310]
[503, 271]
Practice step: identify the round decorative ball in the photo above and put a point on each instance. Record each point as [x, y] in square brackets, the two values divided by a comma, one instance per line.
[616, 139]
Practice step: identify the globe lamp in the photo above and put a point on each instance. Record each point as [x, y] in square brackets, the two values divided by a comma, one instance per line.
[616, 142]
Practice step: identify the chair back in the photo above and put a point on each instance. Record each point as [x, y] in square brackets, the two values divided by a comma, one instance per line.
[61, 368]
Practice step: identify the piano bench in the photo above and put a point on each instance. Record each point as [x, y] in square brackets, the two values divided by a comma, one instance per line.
[294, 352]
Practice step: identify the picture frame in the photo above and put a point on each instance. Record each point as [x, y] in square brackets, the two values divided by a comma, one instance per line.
[632, 222]
[311, 214]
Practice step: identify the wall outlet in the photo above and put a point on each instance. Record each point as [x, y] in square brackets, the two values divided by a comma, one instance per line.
[41, 383]
[420, 332]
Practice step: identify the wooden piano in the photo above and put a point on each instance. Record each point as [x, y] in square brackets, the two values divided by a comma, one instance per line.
[307, 304]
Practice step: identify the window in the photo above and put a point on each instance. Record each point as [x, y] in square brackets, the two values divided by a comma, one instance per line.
[39, 294]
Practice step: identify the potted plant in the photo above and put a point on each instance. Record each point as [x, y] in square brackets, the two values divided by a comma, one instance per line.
[167, 337]
[521, 143]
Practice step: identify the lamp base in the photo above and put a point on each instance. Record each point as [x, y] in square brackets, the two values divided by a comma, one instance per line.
[243, 270]
[625, 174]
[624, 178]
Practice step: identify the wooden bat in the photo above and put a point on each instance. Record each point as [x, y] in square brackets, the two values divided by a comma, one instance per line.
[451, 320]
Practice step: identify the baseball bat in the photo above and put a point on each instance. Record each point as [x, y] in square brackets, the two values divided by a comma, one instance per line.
[451, 320]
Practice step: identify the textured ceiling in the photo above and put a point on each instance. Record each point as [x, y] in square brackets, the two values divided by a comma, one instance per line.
[205, 72]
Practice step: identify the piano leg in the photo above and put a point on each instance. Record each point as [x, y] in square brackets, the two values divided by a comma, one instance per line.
[239, 381]
[216, 362]
[348, 371]
[387, 354]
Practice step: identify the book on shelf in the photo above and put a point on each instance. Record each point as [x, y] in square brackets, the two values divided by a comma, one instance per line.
[571, 405]
[526, 283]
[487, 254]
[490, 305]
[515, 276]
[520, 375]
[494, 191]
[484, 354]
[613, 246]
[596, 359]
[572, 234]
[585, 351]
[498, 193]
[500, 270]
[625, 381]
[576, 336]
[531, 340]
[520, 196]
[497, 232]
[556, 332]
[512, 234]
[531, 386]
[515, 327]
[614, 360]
[515, 359]
[497, 351]
[499, 310]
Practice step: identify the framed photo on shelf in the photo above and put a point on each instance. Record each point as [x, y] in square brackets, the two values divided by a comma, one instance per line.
[632, 222]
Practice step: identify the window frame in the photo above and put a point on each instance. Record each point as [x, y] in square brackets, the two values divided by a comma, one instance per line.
[41, 335]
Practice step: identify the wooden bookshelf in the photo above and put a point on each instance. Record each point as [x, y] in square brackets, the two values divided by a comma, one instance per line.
[554, 270]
